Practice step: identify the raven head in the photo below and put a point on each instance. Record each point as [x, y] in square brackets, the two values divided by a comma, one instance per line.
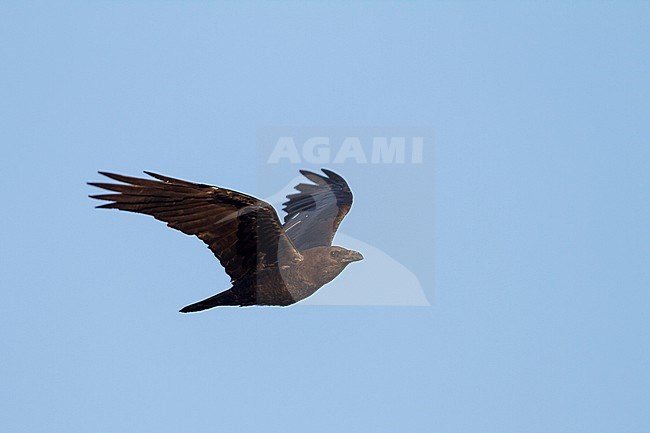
[344, 256]
[322, 264]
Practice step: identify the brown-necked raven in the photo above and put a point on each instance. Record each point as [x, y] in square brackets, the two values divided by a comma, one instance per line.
[269, 263]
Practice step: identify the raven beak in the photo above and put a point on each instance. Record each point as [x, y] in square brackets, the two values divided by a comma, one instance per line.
[354, 256]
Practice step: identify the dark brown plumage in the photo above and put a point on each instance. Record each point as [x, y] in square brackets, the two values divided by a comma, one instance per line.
[268, 263]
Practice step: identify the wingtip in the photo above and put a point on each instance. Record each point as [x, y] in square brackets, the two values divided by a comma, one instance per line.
[156, 176]
[307, 172]
[332, 175]
[107, 206]
[105, 197]
[118, 177]
[317, 178]
[168, 179]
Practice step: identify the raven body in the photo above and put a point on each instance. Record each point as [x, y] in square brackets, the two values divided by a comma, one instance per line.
[269, 263]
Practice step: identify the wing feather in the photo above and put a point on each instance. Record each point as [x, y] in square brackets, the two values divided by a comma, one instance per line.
[315, 212]
[243, 232]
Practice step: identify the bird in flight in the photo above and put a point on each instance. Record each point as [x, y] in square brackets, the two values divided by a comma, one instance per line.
[269, 263]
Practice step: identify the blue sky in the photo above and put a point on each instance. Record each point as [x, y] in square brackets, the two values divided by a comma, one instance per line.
[526, 224]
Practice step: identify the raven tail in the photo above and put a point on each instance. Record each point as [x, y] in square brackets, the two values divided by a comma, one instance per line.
[220, 299]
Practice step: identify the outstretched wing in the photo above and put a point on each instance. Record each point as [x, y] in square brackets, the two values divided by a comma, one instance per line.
[244, 233]
[315, 212]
